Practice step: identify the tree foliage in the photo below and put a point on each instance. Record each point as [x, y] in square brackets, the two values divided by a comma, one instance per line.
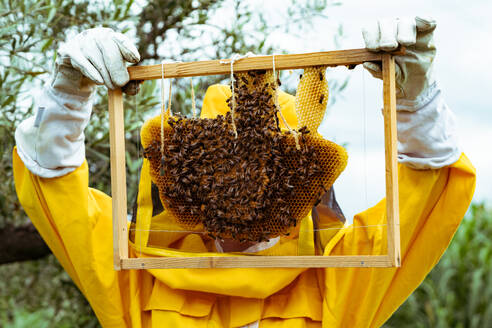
[458, 290]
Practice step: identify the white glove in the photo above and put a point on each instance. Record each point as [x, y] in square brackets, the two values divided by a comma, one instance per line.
[51, 144]
[426, 132]
[414, 71]
[95, 56]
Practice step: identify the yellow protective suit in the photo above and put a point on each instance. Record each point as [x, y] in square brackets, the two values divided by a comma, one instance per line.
[75, 221]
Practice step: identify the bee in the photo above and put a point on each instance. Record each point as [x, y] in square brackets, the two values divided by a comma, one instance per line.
[321, 76]
[321, 99]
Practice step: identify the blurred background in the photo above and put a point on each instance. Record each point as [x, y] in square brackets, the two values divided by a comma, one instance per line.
[34, 289]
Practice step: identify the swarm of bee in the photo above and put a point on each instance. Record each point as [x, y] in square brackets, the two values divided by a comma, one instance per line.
[251, 186]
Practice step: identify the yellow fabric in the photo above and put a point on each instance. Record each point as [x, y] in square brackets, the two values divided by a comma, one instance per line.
[75, 221]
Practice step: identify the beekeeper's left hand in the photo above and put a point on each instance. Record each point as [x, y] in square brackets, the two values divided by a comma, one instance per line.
[426, 129]
[414, 70]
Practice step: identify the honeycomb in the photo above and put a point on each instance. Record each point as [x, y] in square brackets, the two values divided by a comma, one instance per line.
[311, 98]
[257, 185]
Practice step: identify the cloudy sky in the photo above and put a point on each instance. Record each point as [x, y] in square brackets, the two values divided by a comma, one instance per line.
[463, 39]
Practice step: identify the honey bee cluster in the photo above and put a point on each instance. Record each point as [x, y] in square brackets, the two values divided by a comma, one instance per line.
[248, 187]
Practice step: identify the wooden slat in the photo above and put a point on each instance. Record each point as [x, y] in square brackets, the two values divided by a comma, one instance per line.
[390, 136]
[257, 262]
[292, 61]
[118, 176]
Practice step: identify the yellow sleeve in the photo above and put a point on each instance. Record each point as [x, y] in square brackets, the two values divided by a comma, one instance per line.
[432, 205]
[74, 220]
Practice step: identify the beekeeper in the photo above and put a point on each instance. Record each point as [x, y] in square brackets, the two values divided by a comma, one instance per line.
[436, 183]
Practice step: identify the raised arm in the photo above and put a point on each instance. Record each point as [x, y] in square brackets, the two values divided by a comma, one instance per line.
[52, 177]
[51, 143]
[436, 184]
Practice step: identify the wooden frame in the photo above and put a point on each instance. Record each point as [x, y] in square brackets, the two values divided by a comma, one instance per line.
[294, 61]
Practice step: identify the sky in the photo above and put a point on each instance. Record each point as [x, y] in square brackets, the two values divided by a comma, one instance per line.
[463, 41]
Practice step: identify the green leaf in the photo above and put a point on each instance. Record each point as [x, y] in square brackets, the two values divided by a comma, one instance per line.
[128, 7]
[47, 44]
[51, 15]
[10, 99]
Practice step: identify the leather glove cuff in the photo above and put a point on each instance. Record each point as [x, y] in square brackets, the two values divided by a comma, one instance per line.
[51, 143]
[427, 137]
[69, 80]
[424, 98]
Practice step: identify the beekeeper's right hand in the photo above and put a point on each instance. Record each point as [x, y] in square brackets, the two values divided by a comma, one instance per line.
[95, 56]
[51, 143]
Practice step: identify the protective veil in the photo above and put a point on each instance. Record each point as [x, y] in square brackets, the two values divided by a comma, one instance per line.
[76, 223]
